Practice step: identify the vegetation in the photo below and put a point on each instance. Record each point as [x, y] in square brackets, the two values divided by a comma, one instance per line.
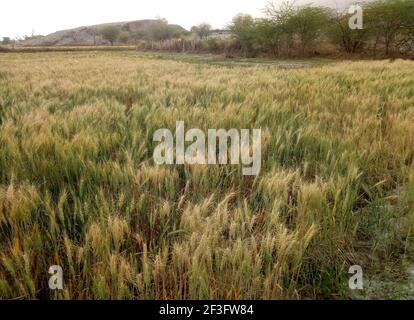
[157, 30]
[78, 186]
[6, 40]
[124, 37]
[392, 21]
[243, 28]
[160, 31]
[202, 30]
[110, 33]
[300, 31]
[297, 29]
[286, 31]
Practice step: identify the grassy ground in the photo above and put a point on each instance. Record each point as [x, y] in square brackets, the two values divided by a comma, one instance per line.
[78, 186]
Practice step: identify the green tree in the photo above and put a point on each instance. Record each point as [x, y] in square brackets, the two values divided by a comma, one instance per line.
[6, 40]
[160, 30]
[308, 24]
[341, 35]
[280, 14]
[110, 33]
[124, 37]
[391, 21]
[268, 35]
[243, 27]
[202, 30]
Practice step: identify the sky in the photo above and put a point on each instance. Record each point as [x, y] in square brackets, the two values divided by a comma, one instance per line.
[24, 17]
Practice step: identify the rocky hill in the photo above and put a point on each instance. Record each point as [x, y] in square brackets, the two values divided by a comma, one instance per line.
[91, 35]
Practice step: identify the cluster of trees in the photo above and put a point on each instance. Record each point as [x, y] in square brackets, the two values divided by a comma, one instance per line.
[6, 40]
[388, 25]
[110, 33]
[157, 30]
[160, 30]
[202, 30]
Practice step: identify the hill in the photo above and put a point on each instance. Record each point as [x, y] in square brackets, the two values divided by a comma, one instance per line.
[90, 35]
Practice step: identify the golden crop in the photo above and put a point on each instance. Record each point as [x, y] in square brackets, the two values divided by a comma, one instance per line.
[78, 186]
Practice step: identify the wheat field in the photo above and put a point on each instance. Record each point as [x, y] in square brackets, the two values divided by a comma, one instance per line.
[79, 188]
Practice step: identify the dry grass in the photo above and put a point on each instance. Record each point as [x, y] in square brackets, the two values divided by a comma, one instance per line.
[78, 186]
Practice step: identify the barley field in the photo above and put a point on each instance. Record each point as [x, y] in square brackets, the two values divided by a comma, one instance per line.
[79, 187]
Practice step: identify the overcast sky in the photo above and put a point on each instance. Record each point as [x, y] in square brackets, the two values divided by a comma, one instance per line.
[22, 17]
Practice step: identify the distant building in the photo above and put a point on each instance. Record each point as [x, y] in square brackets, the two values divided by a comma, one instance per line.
[220, 34]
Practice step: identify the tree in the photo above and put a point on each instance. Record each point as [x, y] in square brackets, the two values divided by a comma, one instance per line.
[93, 33]
[6, 40]
[308, 24]
[280, 15]
[268, 36]
[243, 27]
[124, 37]
[340, 34]
[202, 30]
[110, 33]
[391, 20]
[160, 30]
[279, 12]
